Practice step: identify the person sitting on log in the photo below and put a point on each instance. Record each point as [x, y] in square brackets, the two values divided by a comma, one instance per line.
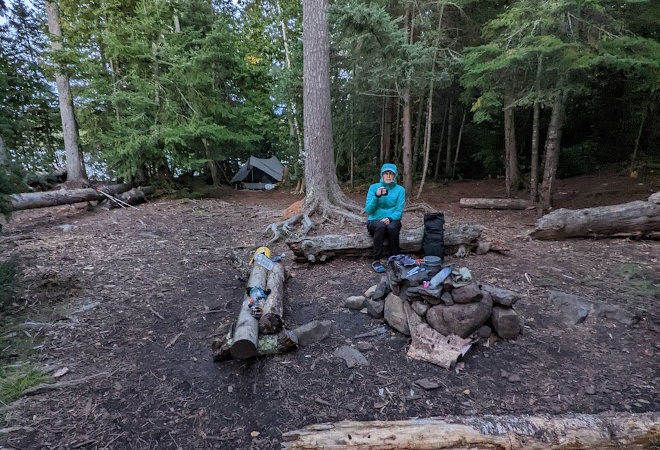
[384, 208]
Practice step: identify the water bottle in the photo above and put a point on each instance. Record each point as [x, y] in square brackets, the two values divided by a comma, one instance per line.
[264, 261]
[439, 278]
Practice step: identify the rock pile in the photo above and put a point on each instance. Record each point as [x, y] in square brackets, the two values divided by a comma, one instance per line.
[458, 306]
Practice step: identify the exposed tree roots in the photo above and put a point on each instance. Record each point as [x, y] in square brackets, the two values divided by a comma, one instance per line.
[337, 212]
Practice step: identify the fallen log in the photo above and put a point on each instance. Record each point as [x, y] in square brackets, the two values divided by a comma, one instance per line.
[321, 248]
[270, 344]
[584, 431]
[495, 203]
[271, 318]
[135, 196]
[33, 200]
[637, 218]
[246, 332]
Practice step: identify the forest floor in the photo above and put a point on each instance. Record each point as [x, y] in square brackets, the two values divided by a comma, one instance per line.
[134, 297]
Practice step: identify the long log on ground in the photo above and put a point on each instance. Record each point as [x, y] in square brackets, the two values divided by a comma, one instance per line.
[246, 332]
[495, 203]
[271, 317]
[320, 248]
[33, 200]
[635, 218]
[584, 431]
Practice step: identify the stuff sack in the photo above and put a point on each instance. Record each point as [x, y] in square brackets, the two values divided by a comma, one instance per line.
[433, 243]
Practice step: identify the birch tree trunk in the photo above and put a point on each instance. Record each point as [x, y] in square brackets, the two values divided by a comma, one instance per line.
[3, 153]
[552, 146]
[74, 161]
[418, 133]
[442, 139]
[407, 142]
[458, 143]
[450, 126]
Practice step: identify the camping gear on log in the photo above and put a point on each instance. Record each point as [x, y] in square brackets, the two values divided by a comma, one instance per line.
[433, 243]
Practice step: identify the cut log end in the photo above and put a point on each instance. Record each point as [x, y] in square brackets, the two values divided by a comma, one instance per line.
[243, 349]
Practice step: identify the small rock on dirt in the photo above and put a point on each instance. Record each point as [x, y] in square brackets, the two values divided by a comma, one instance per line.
[506, 322]
[420, 308]
[355, 302]
[375, 308]
[395, 315]
[364, 346]
[467, 294]
[370, 292]
[312, 332]
[501, 296]
[573, 309]
[351, 356]
[427, 383]
[484, 331]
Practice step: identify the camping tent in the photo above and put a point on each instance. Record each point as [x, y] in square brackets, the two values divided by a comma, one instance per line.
[256, 173]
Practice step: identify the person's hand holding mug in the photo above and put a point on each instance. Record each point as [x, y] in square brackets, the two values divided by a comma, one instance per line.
[381, 191]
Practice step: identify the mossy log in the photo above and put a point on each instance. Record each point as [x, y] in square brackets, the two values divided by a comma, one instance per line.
[321, 248]
[584, 431]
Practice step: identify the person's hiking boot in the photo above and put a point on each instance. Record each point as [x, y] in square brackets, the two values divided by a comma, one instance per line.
[377, 266]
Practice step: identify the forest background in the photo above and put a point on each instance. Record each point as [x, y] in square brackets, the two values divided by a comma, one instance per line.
[164, 89]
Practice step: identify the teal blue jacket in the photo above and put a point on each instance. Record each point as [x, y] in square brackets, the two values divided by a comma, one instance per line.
[390, 205]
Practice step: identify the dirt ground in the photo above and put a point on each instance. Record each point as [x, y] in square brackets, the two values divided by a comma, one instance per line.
[134, 297]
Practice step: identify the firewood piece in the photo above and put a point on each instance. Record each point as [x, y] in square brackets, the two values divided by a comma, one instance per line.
[321, 248]
[271, 317]
[431, 346]
[33, 200]
[271, 344]
[638, 217]
[246, 332]
[495, 203]
[585, 431]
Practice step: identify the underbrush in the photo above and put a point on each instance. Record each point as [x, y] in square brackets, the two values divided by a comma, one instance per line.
[7, 276]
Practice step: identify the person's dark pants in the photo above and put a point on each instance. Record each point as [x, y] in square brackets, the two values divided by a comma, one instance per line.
[378, 230]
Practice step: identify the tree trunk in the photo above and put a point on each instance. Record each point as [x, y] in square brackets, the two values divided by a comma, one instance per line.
[418, 133]
[458, 143]
[292, 103]
[551, 150]
[534, 163]
[636, 218]
[397, 133]
[495, 203]
[386, 150]
[246, 332]
[442, 137]
[633, 158]
[74, 161]
[321, 248]
[450, 129]
[3, 153]
[321, 177]
[32, 200]
[213, 168]
[271, 318]
[427, 137]
[512, 177]
[407, 142]
[584, 431]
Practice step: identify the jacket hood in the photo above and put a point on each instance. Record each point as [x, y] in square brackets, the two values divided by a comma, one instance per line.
[391, 167]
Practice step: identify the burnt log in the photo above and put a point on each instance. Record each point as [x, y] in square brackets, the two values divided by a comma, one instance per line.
[245, 340]
[495, 203]
[271, 318]
[33, 200]
[584, 431]
[638, 218]
[321, 248]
